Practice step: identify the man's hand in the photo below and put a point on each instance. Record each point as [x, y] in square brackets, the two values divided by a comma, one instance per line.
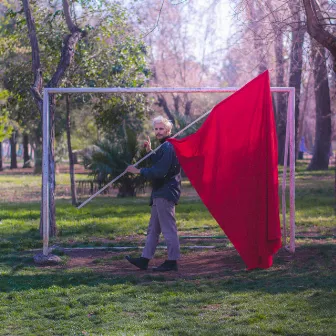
[133, 170]
[147, 144]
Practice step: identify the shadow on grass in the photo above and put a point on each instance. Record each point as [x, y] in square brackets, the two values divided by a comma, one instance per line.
[19, 229]
[106, 208]
[313, 268]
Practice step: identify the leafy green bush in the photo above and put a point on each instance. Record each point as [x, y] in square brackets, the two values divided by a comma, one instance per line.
[110, 157]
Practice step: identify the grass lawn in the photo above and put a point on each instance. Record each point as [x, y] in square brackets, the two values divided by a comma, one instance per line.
[97, 293]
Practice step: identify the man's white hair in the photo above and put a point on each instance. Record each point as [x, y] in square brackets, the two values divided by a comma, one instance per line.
[159, 119]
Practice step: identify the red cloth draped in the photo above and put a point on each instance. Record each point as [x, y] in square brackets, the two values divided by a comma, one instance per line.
[232, 163]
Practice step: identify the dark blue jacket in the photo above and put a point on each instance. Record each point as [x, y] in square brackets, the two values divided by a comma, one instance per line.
[165, 174]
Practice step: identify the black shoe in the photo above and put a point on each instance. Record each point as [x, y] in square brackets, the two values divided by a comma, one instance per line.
[141, 262]
[168, 265]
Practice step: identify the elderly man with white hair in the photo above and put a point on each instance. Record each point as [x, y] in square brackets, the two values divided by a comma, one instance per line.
[165, 175]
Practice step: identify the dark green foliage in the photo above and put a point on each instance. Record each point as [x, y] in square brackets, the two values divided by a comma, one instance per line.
[5, 124]
[110, 157]
[181, 121]
[112, 112]
[110, 55]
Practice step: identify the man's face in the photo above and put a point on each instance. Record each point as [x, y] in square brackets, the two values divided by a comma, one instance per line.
[160, 131]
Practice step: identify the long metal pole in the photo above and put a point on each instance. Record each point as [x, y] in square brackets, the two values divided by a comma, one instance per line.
[45, 172]
[284, 176]
[155, 90]
[291, 103]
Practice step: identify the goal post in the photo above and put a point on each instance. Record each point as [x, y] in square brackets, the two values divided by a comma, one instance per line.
[289, 146]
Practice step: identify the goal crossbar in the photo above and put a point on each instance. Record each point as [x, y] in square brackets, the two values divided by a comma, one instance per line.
[289, 146]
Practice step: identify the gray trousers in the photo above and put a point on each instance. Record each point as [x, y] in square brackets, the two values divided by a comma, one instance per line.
[162, 220]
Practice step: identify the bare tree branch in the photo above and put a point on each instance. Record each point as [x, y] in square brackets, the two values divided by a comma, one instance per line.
[66, 8]
[316, 29]
[69, 46]
[68, 52]
[178, 3]
[36, 62]
[157, 20]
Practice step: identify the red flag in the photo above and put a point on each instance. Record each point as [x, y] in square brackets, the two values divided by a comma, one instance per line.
[232, 163]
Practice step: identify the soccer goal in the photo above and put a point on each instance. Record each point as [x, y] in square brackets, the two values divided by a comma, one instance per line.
[289, 148]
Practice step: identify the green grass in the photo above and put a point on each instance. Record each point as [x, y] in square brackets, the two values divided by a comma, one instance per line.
[104, 218]
[290, 299]
[294, 297]
[31, 180]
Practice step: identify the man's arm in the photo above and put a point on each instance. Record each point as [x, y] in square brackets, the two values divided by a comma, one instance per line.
[133, 170]
[147, 144]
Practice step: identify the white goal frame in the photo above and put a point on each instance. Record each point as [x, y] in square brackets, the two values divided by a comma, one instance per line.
[289, 145]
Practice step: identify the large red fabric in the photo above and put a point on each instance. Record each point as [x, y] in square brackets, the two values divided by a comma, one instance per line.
[232, 163]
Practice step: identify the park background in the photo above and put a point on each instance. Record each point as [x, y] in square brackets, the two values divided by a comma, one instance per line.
[158, 44]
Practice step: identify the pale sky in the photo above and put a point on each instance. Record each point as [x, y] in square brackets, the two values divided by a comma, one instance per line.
[218, 22]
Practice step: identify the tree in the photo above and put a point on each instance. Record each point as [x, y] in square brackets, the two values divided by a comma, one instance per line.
[280, 64]
[181, 52]
[67, 34]
[67, 54]
[298, 31]
[283, 26]
[13, 143]
[321, 154]
[99, 62]
[26, 156]
[255, 25]
[5, 124]
[317, 21]
[70, 153]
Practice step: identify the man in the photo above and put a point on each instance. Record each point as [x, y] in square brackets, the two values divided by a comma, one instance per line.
[166, 179]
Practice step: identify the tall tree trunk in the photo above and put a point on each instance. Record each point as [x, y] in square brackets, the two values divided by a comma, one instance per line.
[317, 28]
[295, 71]
[187, 111]
[320, 159]
[176, 99]
[281, 99]
[1, 166]
[67, 55]
[13, 142]
[71, 158]
[306, 90]
[38, 153]
[162, 102]
[254, 13]
[26, 157]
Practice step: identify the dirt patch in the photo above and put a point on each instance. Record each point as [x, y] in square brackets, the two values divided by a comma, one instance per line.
[200, 264]
[195, 264]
